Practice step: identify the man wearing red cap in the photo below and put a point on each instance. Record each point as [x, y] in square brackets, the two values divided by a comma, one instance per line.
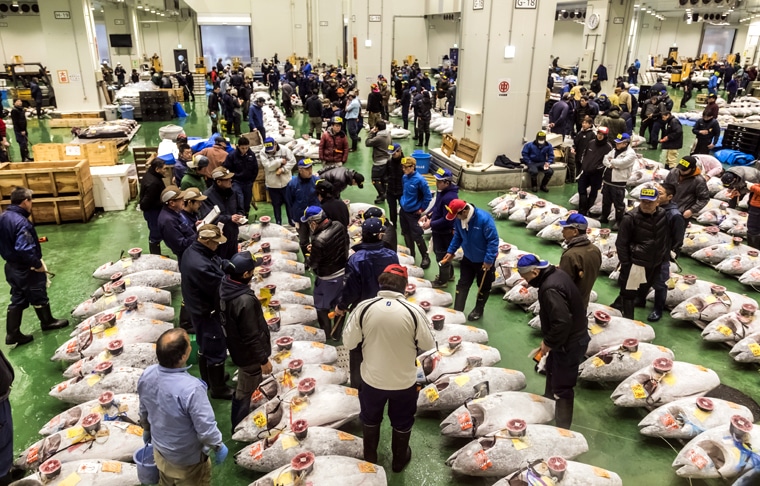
[389, 330]
[474, 231]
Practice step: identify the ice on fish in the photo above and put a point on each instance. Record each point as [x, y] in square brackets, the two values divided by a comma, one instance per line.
[483, 416]
[617, 363]
[90, 343]
[572, 473]
[124, 407]
[147, 310]
[92, 472]
[287, 380]
[709, 306]
[310, 352]
[703, 238]
[712, 255]
[682, 287]
[689, 417]
[268, 230]
[452, 391]
[85, 388]
[747, 350]
[454, 357]
[134, 355]
[606, 331]
[298, 332]
[662, 382]
[543, 220]
[435, 297]
[94, 305]
[290, 314]
[734, 326]
[505, 451]
[284, 281]
[129, 265]
[328, 471]
[160, 279]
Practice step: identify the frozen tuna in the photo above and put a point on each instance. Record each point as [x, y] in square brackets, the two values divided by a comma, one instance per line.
[662, 382]
[433, 296]
[271, 453]
[327, 471]
[505, 451]
[129, 265]
[617, 363]
[489, 414]
[147, 310]
[451, 391]
[689, 417]
[310, 352]
[747, 350]
[160, 279]
[285, 296]
[134, 355]
[287, 380]
[297, 332]
[555, 214]
[708, 307]
[734, 326]
[92, 472]
[85, 388]
[606, 331]
[712, 255]
[290, 313]
[455, 357]
[267, 230]
[682, 287]
[572, 474]
[93, 342]
[284, 281]
[123, 407]
[697, 238]
[95, 305]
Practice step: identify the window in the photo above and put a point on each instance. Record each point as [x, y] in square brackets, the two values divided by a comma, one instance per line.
[225, 41]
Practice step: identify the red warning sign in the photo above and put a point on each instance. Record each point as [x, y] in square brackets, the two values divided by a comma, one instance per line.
[504, 85]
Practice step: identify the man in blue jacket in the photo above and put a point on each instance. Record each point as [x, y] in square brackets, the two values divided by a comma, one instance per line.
[243, 164]
[300, 193]
[538, 155]
[256, 117]
[177, 235]
[24, 269]
[414, 203]
[441, 228]
[474, 231]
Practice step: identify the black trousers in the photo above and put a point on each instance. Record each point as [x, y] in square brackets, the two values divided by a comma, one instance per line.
[402, 405]
[210, 337]
[27, 286]
[613, 196]
[589, 184]
[380, 179]
[394, 202]
[441, 242]
[470, 272]
[410, 228]
[654, 280]
[562, 369]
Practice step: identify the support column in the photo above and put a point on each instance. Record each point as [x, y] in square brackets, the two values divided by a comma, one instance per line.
[501, 89]
[610, 43]
[71, 47]
[753, 40]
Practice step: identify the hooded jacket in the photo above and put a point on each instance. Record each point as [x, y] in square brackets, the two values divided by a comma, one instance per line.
[563, 316]
[339, 177]
[582, 261]
[245, 327]
[643, 239]
[614, 124]
[691, 190]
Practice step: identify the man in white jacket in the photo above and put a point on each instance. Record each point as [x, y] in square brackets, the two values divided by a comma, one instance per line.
[278, 162]
[618, 165]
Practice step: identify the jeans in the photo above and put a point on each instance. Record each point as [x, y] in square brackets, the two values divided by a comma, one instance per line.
[353, 129]
[246, 190]
[402, 405]
[277, 195]
[23, 144]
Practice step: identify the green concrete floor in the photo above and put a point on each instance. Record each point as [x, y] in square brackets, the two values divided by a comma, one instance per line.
[74, 250]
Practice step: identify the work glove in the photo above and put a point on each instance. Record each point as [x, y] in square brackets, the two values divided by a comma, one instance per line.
[221, 454]
[146, 436]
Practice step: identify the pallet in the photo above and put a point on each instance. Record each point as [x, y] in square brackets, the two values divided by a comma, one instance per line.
[143, 156]
[467, 150]
[98, 153]
[72, 122]
[448, 144]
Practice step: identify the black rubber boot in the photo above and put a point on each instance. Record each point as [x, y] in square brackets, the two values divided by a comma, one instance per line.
[47, 321]
[460, 299]
[154, 248]
[477, 312]
[13, 328]
[534, 183]
[239, 410]
[563, 413]
[583, 206]
[427, 138]
[218, 384]
[203, 369]
[628, 307]
[402, 453]
[425, 262]
[371, 437]
[544, 182]
[323, 318]
[409, 242]
[184, 319]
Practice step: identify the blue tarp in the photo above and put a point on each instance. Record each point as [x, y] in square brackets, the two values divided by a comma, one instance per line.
[734, 157]
[179, 112]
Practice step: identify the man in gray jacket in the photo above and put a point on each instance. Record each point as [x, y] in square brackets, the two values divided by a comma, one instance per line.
[618, 166]
[379, 139]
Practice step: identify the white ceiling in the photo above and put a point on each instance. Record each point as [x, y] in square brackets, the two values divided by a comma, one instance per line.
[672, 8]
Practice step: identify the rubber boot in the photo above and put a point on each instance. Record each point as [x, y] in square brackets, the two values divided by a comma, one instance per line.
[218, 385]
[371, 437]
[13, 328]
[409, 242]
[402, 453]
[583, 204]
[477, 312]
[563, 413]
[47, 320]
[545, 181]
[427, 138]
[154, 248]
[203, 369]
[628, 307]
[184, 319]
[380, 188]
[239, 410]
[534, 183]
[323, 318]
[425, 262]
[754, 241]
[460, 300]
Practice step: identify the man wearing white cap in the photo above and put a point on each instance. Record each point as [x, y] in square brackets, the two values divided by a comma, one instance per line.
[564, 327]
[618, 167]
[230, 205]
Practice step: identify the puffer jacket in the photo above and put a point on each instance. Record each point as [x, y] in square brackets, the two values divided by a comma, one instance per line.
[643, 239]
[582, 260]
[691, 191]
[333, 148]
[339, 177]
[395, 176]
[614, 123]
[532, 153]
[244, 324]
[329, 249]
[300, 194]
[619, 167]
[438, 222]
[151, 187]
[674, 131]
[362, 270]
[272, 162]
[563, 316]
[422, 107]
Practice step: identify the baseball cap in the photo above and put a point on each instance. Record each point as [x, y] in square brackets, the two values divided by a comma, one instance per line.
[313, 213]
[687, 163]
[181, 138]
[603, 130]
[455, 207]
[305, 163]
[336, 120]
[198, 162]
[269, 144]
[530, 262]
[193, 194]
[413, 89]
[211, 232]
[712, 95]
[575, 220]
[396, 269]
[324, 187]
[359, 179]
[622, 137]
[393, 148]
[541, 135]
[443, 174]
[220, 140]
[243, 262]
[407, 161]
[372, 226]
[171, 193]
[373, 212]
[728, 178]
[649, 193]
[221, 173]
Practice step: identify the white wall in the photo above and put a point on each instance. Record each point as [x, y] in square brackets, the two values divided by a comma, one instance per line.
[567, 42]
[441, 37]
[23, 37]
[164, 37]
[328, 39]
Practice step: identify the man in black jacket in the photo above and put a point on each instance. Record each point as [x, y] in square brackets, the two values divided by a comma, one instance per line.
[642, 245]
[6, 420]
[19, 129]
[328, 254]
[341, 177]
[592, 170]
[313, 106]
[213, 109]
[245, 168]
[245, 330]
[334, 207]
[406, 101]
[564, 327]
[581, 139]
[201, 270]
[230, 206]
[151, 186]
[707, 131]
[672, 137]
[691, 188]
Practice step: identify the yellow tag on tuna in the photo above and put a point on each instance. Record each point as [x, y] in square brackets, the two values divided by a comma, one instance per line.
[638, 391]
[431, 393]
[754, 348]
[288, 441]
[260, 420]
[462, 380]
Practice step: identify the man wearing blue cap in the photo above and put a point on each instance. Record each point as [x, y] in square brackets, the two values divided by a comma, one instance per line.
[538, 155]
[414, 202]
[618, 167]
[581, 259]
[301, 193]
[327, 258]
[278, 162]
[642, 245]
[564, 327]
[245, 330]
[441, 228]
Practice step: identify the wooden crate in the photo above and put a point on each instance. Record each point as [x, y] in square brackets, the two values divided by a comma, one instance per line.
[701, 98]
[73, 122]
[62, 190]
[468, 150]
[133, 185]
[172, 94]
[101, 153]
[448, 144]
[260, 193]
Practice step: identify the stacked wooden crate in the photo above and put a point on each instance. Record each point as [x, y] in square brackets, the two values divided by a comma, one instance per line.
[100, 153]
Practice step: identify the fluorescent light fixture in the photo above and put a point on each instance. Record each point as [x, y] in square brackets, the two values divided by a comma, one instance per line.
[179, 46]
[636, 6]
[455, 46]
[368, 43]
[509, 52]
